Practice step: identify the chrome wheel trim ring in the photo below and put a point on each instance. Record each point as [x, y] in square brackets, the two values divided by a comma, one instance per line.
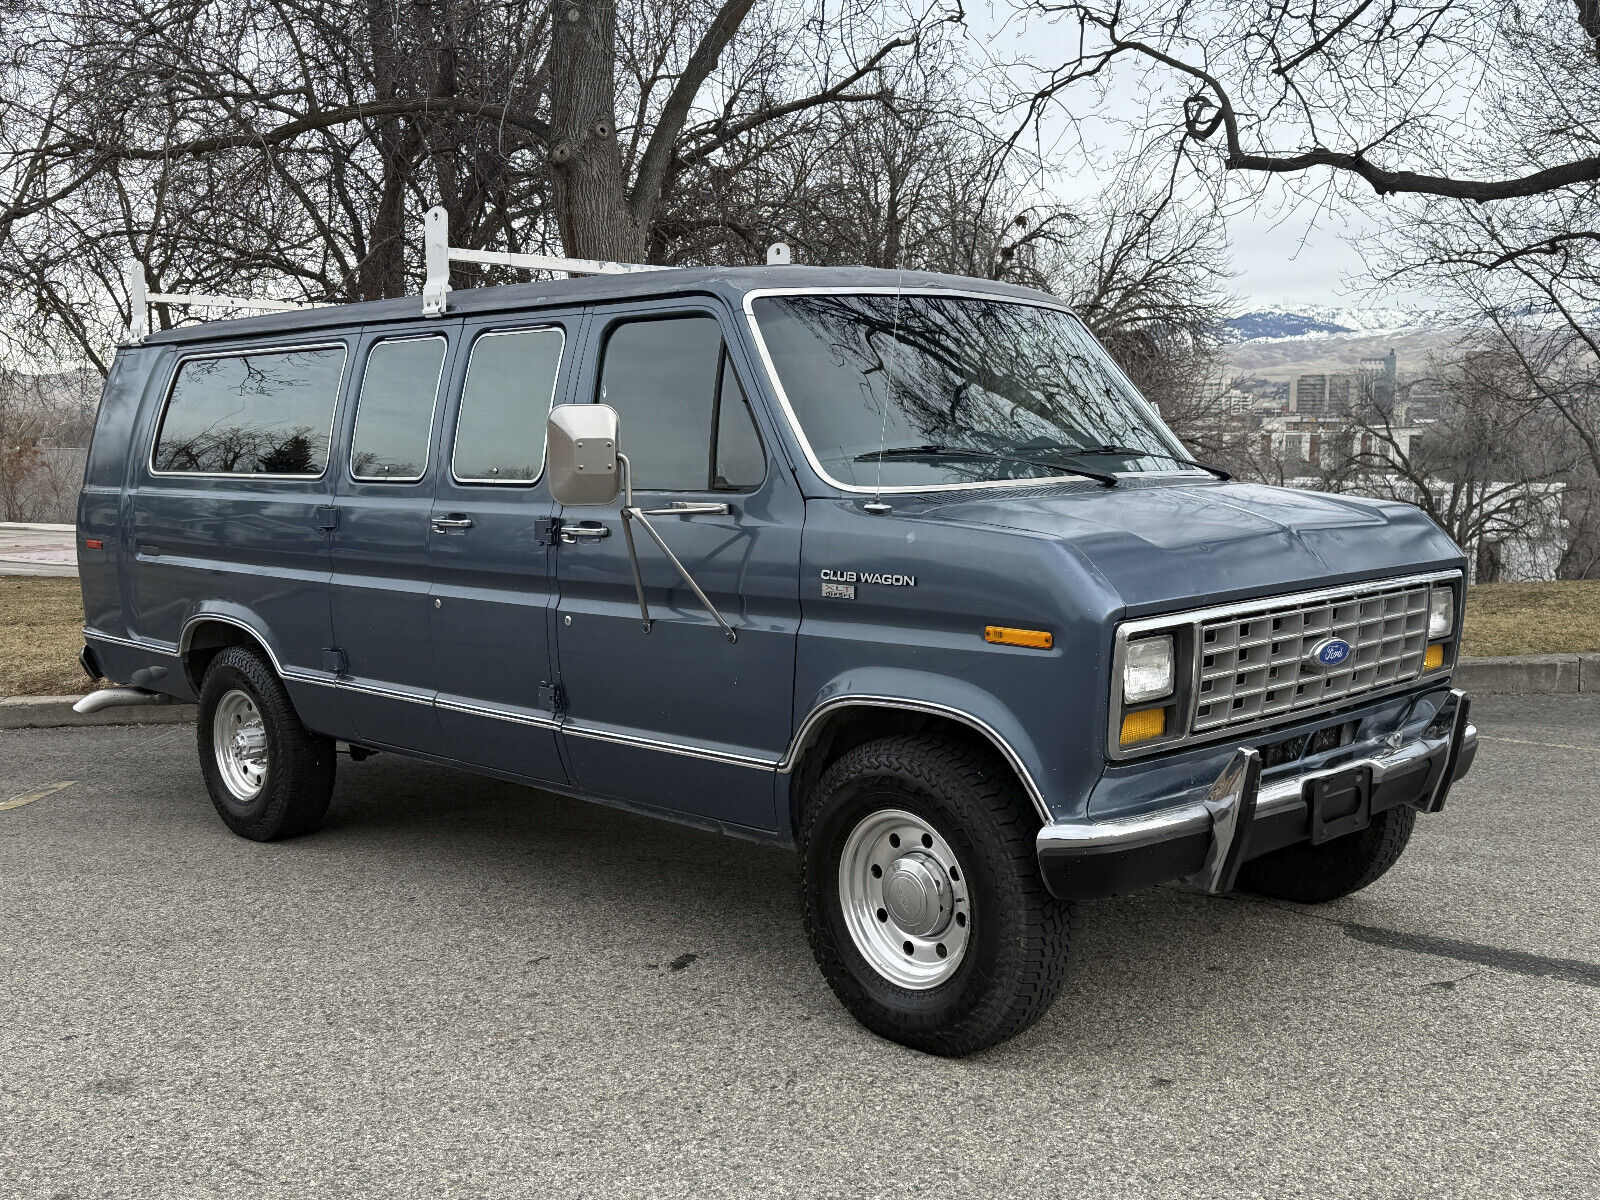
[239, 745]
[911, 920]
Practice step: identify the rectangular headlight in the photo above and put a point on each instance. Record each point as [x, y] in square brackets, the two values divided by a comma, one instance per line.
[1147, 669]
[1441, 612]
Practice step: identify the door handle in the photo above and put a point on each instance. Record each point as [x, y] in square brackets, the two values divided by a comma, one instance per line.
[574, 533]
[447, 524]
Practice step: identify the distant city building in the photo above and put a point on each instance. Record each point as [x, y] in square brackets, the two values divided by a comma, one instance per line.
[1378, 380]
[1320, 395]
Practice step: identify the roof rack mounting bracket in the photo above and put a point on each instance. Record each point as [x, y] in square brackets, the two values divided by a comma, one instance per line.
[438, 254]
[140, 298]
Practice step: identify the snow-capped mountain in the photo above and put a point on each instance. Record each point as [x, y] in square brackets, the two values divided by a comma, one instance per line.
[1276, 321]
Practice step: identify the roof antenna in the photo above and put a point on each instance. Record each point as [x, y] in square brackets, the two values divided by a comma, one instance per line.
[876, 504]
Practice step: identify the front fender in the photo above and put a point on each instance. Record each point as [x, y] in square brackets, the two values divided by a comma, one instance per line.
[939, 695]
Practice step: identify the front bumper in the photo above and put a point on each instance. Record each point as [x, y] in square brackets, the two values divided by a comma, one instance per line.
[1238, 818]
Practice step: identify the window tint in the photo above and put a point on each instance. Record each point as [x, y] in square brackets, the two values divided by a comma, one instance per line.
[394, 420]
[251, 414]
[511, 381]
[681, 405]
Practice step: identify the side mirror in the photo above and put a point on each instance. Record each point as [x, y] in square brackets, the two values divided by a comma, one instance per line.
[582, 441]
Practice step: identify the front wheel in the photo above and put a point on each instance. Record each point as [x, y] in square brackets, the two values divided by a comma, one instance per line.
[268, 775]
[923, 900]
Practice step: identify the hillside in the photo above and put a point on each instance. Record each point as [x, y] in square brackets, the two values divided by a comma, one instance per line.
[1279, 341]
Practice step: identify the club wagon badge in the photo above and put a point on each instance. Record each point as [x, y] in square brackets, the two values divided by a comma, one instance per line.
[1329, 653]
[841, 585]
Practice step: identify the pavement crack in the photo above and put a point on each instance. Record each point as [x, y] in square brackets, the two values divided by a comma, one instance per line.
[1518, 962]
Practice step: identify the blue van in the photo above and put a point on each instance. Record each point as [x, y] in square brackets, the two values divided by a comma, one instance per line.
[896, 569]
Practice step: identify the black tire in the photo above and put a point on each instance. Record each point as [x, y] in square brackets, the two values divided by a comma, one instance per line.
[298, 779]
[1310, 874]
[1015, 954]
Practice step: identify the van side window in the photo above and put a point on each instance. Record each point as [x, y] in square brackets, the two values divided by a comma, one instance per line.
[394, 417]
[251, 414]
[511, 382]
[686, 425]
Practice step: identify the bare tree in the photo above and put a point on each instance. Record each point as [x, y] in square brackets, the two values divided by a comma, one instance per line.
[1488, 467]
[1402, 98]
[229, 144]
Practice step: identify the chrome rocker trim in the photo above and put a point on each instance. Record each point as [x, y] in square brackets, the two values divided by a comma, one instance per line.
[1236, 800]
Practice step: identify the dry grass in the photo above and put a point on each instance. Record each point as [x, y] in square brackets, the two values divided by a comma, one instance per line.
[41, 622]
[41, 632]
[1533, 618]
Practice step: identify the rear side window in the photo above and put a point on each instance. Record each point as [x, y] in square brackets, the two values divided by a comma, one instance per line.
[251, 414]
[511, 381]
[686, 426]
[394, 419]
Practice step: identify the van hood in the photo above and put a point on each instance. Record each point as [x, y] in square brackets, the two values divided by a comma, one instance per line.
[1164, 545]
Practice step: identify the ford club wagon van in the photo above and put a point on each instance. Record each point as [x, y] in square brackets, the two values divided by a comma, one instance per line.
[895, 569]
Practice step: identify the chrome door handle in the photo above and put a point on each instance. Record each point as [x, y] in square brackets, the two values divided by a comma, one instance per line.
[573, 533]
[446, 524]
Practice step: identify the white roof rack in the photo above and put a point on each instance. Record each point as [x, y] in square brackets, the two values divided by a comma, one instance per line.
[439, 254]
[140, 298]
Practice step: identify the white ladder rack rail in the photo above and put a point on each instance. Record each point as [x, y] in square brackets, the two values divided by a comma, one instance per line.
[438, 254]
[140, 298]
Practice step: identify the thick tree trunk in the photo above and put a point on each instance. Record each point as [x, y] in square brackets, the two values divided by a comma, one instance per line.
[591, 194]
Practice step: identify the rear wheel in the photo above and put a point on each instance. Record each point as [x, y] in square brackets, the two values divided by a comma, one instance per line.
[923, 899]
[268, 775]
[1310, 874]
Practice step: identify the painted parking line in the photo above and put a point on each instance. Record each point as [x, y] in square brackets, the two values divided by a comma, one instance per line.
[1484, 737]
[37, 794]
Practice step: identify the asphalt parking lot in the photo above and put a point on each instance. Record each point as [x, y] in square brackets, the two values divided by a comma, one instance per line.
[461, 987]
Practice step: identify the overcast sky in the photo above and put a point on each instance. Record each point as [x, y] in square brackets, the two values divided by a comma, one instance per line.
[1284, 250]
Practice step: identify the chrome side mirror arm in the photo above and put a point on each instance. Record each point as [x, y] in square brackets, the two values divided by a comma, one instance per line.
[631, 513]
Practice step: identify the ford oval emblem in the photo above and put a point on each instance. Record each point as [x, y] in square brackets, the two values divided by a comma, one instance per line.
[1330, 652]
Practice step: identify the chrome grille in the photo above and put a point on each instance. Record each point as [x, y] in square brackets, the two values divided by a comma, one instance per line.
[1256, 665]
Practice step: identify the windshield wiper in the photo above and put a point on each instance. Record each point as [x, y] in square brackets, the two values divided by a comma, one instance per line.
[937, 451]
[1132, 452]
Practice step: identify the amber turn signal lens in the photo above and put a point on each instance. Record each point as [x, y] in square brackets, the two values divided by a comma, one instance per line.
[1142, 726]
[1434, 658]
[1004, 635]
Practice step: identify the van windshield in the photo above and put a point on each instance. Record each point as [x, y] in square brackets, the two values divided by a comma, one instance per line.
[926, 391]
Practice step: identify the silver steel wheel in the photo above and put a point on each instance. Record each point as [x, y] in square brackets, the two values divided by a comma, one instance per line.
[905, 900]
[239, 741]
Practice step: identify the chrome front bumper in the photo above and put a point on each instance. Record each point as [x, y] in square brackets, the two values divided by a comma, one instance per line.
[1217, 829]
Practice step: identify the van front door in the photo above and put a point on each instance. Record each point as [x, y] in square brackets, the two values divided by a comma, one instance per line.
[490, 547]
[680, 718]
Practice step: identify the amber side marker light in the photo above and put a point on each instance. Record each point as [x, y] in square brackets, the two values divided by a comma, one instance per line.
[1004, 635]
[1434, 658]
[1142, 726]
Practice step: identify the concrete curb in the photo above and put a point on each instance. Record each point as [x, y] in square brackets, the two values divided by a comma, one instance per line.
[1529, 674]
[43, 712]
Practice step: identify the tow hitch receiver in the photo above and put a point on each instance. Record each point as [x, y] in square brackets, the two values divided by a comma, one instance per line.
[1339, 804]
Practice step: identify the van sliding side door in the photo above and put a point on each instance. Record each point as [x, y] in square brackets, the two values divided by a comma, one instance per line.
[382, 572]
[490, 546]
